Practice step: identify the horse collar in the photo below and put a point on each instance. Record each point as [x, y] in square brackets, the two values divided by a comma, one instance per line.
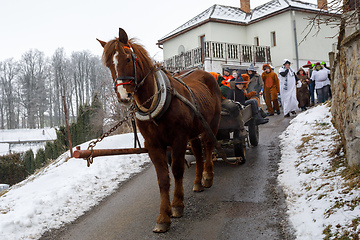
[161, 100]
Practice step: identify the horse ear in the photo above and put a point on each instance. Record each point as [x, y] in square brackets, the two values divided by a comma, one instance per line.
[102, 43]
[123, 37]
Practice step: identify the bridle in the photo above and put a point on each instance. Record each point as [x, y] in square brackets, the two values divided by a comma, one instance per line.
[132, 79]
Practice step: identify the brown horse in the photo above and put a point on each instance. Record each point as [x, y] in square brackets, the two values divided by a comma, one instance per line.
[174, 124]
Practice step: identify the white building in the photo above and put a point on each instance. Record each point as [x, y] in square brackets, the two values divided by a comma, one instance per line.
[232, 37]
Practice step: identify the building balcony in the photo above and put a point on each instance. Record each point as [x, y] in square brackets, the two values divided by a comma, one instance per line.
[215, 55]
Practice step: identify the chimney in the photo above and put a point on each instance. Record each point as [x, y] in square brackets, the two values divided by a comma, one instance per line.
[322, 4]
[245, 5]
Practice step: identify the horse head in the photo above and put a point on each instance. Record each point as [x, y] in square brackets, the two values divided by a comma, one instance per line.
[120, 58]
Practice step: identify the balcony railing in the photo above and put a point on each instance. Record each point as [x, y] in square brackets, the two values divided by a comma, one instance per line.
[218, 51]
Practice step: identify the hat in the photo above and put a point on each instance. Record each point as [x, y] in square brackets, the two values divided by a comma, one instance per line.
[251, 68]
[308, 65]
[317, 64]
[227, 69]
[286, 61]
[240, 80]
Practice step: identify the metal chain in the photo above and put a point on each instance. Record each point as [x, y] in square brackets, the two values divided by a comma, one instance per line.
[131, 112]
[132, 109]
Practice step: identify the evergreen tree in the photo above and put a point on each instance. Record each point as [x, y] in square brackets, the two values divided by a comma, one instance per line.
[96, 118]
[40, 158]
[49, 151]
[29, 162]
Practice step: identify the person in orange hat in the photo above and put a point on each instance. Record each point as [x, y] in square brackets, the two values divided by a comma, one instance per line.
[271, 89]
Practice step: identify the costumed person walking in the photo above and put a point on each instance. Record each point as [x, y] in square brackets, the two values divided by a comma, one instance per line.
[311, 82]
[271, 90]
[288, 83]
[303, 92]
[322, 82]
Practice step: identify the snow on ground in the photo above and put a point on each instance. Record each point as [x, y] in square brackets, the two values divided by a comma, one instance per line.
[315, 192]
[64, 190]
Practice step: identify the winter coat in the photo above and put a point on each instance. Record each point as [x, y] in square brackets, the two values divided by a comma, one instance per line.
[321, 77]
[271, 82]
[255, 84]
[303, 93]
[240, 95]
[223, 84]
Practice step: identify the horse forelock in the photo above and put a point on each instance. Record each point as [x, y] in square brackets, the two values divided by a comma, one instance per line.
[144, 61]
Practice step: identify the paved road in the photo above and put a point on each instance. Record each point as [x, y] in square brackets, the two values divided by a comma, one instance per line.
[245, 202]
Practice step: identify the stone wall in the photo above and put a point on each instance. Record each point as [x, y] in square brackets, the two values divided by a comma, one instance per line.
[346, 93]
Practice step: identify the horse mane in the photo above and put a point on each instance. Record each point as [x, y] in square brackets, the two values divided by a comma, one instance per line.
[144, 60]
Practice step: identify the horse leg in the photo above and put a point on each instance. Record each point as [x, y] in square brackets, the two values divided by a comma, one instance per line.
[178, 168]
[158, 157]
[197, 150]
[208, 174]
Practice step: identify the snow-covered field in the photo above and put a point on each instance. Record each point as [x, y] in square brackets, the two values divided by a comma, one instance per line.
[65, 189]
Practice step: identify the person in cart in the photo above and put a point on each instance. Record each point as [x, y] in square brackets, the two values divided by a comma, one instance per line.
[240, 94]
[230, 106]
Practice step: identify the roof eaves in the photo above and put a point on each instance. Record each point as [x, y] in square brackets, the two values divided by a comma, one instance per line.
[167, 38]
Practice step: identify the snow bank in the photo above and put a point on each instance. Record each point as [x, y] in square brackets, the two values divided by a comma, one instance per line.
[64, 190]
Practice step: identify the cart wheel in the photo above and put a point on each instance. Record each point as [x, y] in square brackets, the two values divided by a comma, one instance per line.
[253, 133]
[239, 150]
[168, 155]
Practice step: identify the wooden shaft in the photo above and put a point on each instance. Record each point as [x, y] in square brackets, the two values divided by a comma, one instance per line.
[108, 152]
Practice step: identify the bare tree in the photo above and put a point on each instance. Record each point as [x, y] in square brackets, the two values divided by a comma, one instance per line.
[336, 14]
[61, 84]
[32, 85]
[8, 71]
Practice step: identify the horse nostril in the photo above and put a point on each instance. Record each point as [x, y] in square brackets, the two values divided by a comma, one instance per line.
[129, 95]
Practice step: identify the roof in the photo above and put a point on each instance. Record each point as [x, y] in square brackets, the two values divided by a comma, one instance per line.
[235, 15]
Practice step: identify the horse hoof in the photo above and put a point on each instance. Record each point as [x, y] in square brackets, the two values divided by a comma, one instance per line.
[161, 227]
[177, 212]
[207, 182]
[198, 187]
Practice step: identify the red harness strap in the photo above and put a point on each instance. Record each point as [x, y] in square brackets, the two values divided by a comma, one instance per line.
[131, 82]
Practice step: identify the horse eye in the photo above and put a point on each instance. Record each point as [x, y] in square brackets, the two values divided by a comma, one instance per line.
[128, 60]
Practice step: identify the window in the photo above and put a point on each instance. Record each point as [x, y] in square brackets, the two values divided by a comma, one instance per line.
[256, 41]
[273, 39]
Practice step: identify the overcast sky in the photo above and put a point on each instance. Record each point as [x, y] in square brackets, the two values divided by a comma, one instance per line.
[75, 24]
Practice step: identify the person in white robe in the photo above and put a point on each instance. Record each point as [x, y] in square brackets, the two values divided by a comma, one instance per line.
[288, 82]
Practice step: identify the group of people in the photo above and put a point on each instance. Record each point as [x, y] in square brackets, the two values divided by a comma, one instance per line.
[297, 90]
[244, 89]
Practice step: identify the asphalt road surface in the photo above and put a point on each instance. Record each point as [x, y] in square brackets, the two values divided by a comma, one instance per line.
[245, 202]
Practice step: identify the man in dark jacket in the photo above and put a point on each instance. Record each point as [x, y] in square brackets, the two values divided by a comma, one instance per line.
[239, 94]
